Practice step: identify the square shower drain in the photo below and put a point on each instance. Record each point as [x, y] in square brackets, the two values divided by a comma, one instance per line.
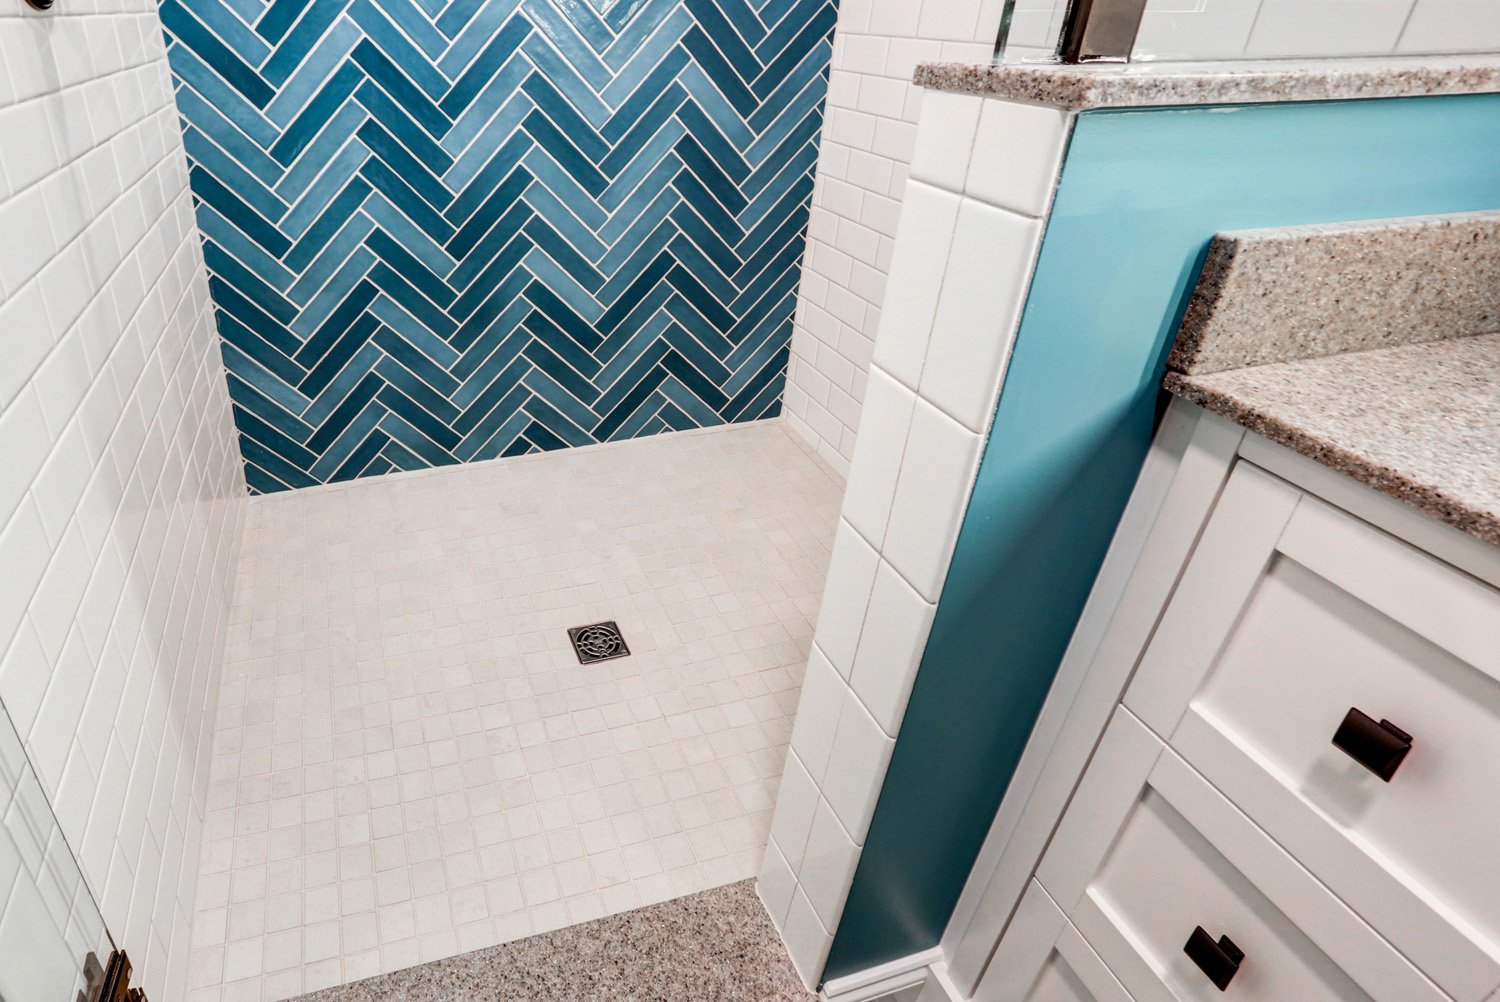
[598, 642]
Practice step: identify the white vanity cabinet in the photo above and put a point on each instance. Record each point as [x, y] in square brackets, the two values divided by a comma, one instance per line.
[1292, 780]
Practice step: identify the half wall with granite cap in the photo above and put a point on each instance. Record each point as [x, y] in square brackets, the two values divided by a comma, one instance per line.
[964, 667]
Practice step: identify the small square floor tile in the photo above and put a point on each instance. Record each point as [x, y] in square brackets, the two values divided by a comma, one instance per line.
[410, 761]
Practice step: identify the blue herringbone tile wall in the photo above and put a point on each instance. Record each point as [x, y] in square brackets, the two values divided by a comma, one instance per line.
[449, 230]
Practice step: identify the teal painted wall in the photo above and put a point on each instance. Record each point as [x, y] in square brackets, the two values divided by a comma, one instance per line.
[1141, 193]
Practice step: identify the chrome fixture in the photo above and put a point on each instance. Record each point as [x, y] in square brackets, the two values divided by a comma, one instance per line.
[1100, 31]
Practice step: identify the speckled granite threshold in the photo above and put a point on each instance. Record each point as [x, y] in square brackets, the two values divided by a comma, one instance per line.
[717, 945]
[1140, 85]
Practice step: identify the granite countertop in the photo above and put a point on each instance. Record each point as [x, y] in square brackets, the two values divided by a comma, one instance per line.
[1419, 422]
[1145, 84]
[1372, 347]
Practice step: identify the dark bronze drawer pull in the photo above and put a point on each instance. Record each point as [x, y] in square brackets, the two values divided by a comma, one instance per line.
[1379, 746]
[1220, 961]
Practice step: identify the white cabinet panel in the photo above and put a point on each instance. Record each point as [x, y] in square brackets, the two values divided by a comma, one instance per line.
[1162, 882]
[1285, 632]
[1047, 960]
[1302, 762]
[1230, 559]
[1140, 863]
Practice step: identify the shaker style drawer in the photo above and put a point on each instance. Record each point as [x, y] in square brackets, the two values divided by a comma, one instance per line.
[1343, 689]
[1183, 898]
[1044, 959]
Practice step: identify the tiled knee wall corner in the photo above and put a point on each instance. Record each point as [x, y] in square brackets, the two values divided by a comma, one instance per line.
[983, 174]
[868, 138]
[121, 492]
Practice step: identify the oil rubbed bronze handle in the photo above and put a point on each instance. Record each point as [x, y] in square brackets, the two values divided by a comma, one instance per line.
[1219, 961]
[1379, 746]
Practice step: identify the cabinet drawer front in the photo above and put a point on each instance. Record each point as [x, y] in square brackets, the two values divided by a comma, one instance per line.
[1163, 881]
[1043, 959]
[1178, 856]
[1343, 630]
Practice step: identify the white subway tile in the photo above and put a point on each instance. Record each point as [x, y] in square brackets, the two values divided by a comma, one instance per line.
[945, 137]
[795, 804]
[806, 940]
[1195, 29]
[24, 445]
[904, 55]
[27, 931]
[24, 554]
[61, 482]
[75, 793]
[24, 163]
[21, 259]
[61, 383]
[828, 866]
[856, 767]
[1017, 152]
[28, 337]
[51, 737]
[61, 591]
[817, 713]
[897, 18]
[776, 884]
[1034, 25]
[931, 497]
[851, 573]
[1452, 26]
[949, 19]
[861, 53]
[878, 450]
[1286, 28]
[24, 673]
[923, 237]
[96, 446]
[989, 267]
[890, 648]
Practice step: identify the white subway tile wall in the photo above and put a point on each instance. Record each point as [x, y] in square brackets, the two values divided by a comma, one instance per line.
[1268, 29]
[967, 240]
[120, 483]
[868, 138]
[48, 921]
[1438, 25]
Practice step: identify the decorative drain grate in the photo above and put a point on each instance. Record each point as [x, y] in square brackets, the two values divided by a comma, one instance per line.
[598, 642]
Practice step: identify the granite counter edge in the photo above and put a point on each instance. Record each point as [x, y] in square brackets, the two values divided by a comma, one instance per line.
[1141, 85]
[1481, 524]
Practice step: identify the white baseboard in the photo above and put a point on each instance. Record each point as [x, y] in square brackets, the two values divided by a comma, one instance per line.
[940, 987]
[884, 980]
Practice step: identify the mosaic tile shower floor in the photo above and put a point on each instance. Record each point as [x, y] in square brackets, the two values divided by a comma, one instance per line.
[410, 762]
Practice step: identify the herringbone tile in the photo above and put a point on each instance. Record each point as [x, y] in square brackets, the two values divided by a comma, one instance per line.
[451, 230]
